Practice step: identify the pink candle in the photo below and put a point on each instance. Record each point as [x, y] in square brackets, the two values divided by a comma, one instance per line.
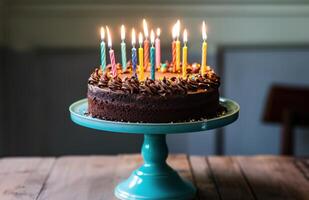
[158, 49]
[113, 63]
[174, 55]
[111, 53]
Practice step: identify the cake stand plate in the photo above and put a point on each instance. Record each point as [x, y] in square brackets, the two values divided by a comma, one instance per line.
[155, 179]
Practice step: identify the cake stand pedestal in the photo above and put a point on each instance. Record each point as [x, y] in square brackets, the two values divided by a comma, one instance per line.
[155, 179]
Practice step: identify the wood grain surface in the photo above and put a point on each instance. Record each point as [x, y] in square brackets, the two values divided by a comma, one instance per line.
[94, 177]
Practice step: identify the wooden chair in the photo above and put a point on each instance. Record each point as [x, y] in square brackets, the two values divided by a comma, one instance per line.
[288, 105]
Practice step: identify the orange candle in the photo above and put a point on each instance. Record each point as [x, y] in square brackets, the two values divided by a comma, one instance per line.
[146, 45]
[174, 48]
[177, 47]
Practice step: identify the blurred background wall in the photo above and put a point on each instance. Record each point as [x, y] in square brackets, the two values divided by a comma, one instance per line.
[48, 49]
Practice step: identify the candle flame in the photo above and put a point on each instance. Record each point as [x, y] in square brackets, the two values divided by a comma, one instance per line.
[102, 32]
[152, 36]
[140, 38]
[145, 26]
[174, 32]
[122, 32]
[109, 38]
[177, 31]
[158, 32]
[133, 37]
[204, 34]
[185, 36]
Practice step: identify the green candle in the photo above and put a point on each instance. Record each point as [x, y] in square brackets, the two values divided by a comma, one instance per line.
[123, 49]
[152, 57]
[103, 49]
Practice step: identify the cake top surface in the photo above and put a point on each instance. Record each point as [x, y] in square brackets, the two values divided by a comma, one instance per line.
[166, 83]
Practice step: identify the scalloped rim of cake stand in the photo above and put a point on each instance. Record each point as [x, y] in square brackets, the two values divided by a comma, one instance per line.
[79, 108]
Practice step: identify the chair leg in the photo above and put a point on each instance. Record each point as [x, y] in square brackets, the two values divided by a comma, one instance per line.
[287, 139]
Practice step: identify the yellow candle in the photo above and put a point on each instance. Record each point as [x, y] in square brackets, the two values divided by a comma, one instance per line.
[184, 55]
[141, 57]
[204, 50]
[204, 56]
[177, 47]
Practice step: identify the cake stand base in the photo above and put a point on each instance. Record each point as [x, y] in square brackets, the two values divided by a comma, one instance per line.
[155, 179]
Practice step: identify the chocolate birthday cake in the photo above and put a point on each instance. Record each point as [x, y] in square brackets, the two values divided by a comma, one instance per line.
[168, 98]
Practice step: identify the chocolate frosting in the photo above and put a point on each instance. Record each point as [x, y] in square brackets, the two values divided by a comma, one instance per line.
[130, 85]
[115, 84]
[103, 82]
[164, 87]
[94, 77]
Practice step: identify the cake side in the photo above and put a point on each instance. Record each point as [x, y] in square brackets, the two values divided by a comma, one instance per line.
[123, 107]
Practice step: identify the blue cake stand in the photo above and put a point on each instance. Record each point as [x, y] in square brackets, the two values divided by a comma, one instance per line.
[154, 179]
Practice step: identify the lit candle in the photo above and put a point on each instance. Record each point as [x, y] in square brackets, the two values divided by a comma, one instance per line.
[174, 48]
[204, 50]
[177, 46]
[111, 53]
[103, 50]
[158, 49]
[184, 54]
[141, 57]
[152, 56]
[134, 57]
[123, 48]
[146, 44]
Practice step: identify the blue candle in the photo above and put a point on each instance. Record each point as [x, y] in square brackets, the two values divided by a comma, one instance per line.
[134, 55]
[123, 49]
[103, 50]
[134, 61]
[152, 57]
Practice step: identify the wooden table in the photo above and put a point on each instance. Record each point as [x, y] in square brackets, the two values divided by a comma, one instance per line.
[94, 177]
